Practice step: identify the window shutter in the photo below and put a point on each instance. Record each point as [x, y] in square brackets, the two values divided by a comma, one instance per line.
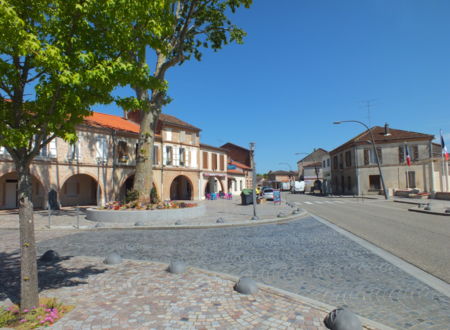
[52, 148]
[169, 134]
[193, 159]
[176, 156]
[165, 156]
[2, 150]
[98, 149]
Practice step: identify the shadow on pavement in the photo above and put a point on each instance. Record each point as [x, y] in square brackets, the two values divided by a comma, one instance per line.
[51, 275]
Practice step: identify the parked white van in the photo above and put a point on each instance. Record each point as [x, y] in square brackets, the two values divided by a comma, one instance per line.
[298, 187]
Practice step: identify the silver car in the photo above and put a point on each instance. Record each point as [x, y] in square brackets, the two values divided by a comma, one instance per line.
[268, 193]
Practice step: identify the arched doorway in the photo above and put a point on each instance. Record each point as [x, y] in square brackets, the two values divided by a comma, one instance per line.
[9, 194]
[214, 185]
[181, 188]
[80, 189]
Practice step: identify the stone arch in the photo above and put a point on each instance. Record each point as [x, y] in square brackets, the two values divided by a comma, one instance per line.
[181, 188]
[208, 187]
[8, 191]
[80, 189]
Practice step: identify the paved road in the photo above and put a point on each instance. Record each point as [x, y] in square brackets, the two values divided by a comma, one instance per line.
[302, 256]
[421, 239]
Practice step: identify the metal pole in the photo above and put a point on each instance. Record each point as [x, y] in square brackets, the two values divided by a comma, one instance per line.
[386, 196]
[78, 217]
[252, 155]
[49, 216]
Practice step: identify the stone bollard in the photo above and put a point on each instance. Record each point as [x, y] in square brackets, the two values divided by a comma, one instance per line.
[139, 223]
[427, 207]
[342, 319]
[255, 217]
[176, 267]
[113, 259]
[281, 215]
[50, 256]
[100, 225]
[447, 210]
[178, 222]
[220, 220]
[246, 285]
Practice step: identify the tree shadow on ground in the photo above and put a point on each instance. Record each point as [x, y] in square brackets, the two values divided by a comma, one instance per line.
[51, 275]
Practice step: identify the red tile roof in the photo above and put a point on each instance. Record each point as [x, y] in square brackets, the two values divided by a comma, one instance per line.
[396, 135]
[175, 121]
[98, 119]
[240, 165]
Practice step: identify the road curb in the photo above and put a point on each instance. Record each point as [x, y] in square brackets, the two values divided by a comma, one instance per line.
[429, 212]
[249, 223]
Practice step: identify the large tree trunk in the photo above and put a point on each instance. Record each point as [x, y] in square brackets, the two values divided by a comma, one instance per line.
[143, 178]
[28, 265]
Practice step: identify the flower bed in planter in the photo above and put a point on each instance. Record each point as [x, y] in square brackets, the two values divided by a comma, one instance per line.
[133, 212]
[118, 206]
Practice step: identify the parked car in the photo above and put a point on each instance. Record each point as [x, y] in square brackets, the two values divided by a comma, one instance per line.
[298, 187]
[268, 193]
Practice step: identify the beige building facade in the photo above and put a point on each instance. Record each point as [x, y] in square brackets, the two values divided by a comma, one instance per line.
[354, 167]
[100, 166]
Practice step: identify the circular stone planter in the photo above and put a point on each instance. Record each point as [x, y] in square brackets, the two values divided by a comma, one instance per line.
[146, 217]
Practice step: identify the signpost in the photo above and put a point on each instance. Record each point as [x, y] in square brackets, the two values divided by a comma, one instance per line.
[276, 196]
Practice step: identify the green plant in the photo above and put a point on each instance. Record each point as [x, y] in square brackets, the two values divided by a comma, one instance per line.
[154, 198]
[131, 196]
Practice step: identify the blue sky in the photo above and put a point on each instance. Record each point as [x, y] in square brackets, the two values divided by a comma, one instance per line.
[307, 63]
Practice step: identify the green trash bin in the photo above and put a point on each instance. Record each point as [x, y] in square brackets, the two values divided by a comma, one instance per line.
[247, 196]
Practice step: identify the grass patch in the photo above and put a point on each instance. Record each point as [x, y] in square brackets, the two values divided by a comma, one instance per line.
[46, 314]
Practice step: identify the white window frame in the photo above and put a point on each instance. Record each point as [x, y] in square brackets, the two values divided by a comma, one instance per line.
[73, 152]
[101, 150]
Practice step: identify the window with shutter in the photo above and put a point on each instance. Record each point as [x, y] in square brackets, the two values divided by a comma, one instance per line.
[193, 160]
[182, 157]
[100, 149]
[122, 152]
[169, 155]
[401, 155]
[52, 149]
[415, 152]
[176, 156]
[348, 159]
[168, 134]
[380, 156]
[366, 156]
[214, 161]
[155, 155]
[74, 151]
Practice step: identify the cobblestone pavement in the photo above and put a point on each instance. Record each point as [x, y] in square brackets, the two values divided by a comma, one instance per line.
[303, 257]
[143, 295]
[230, 210]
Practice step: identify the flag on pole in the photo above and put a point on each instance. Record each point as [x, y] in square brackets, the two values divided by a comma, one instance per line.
[408, 157]
[444, 148]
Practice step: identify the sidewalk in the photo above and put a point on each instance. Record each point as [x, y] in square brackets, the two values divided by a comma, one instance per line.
[231, 211]
[437, 206]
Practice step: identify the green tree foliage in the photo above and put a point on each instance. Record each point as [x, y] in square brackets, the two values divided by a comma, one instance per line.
[189, 27]
[57, 58]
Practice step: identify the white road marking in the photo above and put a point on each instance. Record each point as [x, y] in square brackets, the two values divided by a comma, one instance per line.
[309, 203]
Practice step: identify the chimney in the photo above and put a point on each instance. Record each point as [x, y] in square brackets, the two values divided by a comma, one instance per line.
[386, 130]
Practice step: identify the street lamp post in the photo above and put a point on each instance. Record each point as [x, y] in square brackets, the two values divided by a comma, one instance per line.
[386, 196]
[252, 157]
